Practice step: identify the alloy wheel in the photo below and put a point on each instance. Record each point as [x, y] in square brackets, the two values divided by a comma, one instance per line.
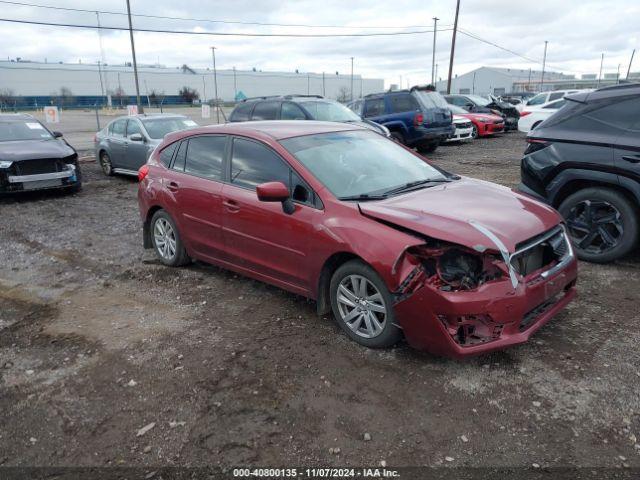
[474, 133]
[165, 239]
[105, 163]
[595, 226]
[361, 306]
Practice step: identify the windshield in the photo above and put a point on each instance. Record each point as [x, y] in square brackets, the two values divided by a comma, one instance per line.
[330, 111]
[359, 163]
[431, 99]
[457, 110]
[478, 100]
[538, 99]
[159, 127]
[11, 131]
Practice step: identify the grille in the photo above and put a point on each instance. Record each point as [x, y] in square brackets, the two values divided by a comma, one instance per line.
[497, 122]
[41, 165]
[540, 251]
[464, 125]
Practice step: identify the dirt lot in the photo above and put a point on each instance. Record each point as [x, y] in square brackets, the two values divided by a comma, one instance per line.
[97, 341]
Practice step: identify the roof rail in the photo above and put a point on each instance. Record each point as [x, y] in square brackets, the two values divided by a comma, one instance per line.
[265, 97]
[304, 96]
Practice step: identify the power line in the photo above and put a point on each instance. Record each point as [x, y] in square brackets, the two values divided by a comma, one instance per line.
[228, 34]
[488, 42]
[235, 22]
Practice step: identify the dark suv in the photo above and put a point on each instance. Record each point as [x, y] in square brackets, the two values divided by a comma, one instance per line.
[585, 161]
[299, 107]
[417, 117]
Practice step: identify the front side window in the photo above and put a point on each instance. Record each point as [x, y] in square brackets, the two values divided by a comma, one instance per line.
[241, 112]
[539, 99]
[253, 163]
[205, 155]
[27, 130]
[359, 163]
[555, 96]
[266, 111]
[290, 111]
[329, 111]
[133, 127]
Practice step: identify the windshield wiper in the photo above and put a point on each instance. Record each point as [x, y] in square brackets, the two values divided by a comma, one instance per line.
[363, 197]
[414, 184]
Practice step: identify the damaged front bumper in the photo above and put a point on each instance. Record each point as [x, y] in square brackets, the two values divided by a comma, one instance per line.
[500, 313]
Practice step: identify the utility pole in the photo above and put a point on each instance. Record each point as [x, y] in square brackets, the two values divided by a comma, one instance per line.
[600, 74]
[433, 56]
[102, 54]
[215, 83]
[135, 64]
[235, 87]
[352, 79]
[618, 75]
[529, 81]
[630, 61]
[100, 75]
[544, 64]
[323, 88]
[453, 46]
[204, 89]
[308, 83]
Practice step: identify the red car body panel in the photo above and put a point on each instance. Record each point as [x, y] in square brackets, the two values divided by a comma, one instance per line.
[486, 123]
[228, 226]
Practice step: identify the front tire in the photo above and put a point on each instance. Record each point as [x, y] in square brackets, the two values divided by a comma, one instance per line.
[602, 224]
[363, 305]
[474, 133]
[166, 240]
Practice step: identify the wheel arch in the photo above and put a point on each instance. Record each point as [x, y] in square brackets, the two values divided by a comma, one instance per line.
[146, 226]
[331, 264]
[572, 186]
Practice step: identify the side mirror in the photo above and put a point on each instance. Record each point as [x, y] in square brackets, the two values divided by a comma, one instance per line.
[469, 106]
[276, 192]
[57, 134]
[136, 137]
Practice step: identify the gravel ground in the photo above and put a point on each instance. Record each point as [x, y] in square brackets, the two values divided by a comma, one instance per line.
[109, 359]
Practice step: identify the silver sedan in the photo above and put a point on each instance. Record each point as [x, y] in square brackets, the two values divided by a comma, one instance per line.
[125, 144]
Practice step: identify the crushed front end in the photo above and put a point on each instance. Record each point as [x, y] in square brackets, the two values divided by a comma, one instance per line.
[39, 173]
[457, 301]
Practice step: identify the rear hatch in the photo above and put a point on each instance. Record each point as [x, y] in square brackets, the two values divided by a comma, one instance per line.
[434, 107]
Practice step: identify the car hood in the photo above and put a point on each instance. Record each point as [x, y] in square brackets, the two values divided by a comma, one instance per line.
[447, 212]
[369, 125]
[18, 150]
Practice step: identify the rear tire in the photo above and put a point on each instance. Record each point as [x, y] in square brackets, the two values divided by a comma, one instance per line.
[105, 164]
[363, 306]
[166, 240]
[602, 224]
[427, 147]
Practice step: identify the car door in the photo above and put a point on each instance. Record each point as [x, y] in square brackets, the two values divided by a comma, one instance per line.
[259, 236]
[626, 116]
[136, 151]
[193, 189]
[116, 141]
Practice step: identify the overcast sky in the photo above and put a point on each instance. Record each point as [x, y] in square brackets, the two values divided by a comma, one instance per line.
[578, 32]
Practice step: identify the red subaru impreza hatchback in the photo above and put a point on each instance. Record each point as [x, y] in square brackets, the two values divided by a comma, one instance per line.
[370, 230]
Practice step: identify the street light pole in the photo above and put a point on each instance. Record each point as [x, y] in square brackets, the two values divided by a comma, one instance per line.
[235, 86]
[433, 57]
[544, 64]
[135, 65]
[215, 83]
[600, 74]
[453, 46]
[352, 79]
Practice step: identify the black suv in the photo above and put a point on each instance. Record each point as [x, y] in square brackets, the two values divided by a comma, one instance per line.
[585, 161]
[299, 107]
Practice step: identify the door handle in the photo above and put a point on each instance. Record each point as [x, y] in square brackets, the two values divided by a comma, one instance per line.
[231, 205]
[173, 186]
[631, 158]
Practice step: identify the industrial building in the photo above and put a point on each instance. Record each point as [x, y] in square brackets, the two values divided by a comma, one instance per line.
[498, 81]
[86, 84]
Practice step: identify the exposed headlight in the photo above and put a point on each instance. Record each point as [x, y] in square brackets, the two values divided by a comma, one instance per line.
[5, 163]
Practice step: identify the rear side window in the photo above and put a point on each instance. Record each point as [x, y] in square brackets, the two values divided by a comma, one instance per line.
[539, 99]
[290, 111]
[625, 114]
[374, 107]
[253, 164]
[266, 111]
[118, 127]
[204, 156]
[167, 154]
[402, 103]
[555, 96]
[555, 105]
[181, 156]
[241, 112]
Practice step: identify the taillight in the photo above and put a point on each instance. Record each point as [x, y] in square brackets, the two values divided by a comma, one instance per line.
[418, 119]
[524, 113]
[143, 171]
[535, 145]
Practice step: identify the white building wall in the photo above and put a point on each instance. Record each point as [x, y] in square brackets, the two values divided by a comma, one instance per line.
[26, 79]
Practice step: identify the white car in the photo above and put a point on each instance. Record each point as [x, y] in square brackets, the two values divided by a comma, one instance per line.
[464, 129]
[547, 97]
[531, 117]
